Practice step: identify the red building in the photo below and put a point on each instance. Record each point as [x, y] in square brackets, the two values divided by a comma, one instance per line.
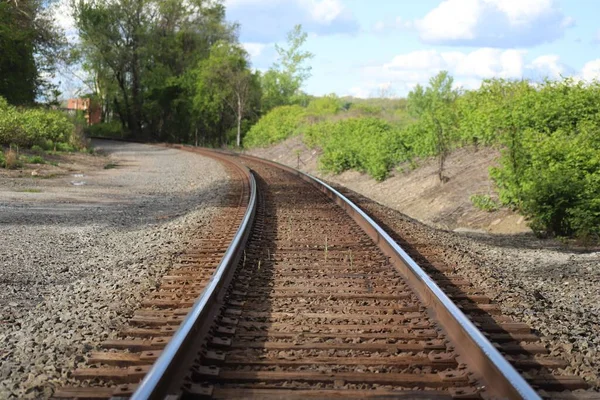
[93, 113]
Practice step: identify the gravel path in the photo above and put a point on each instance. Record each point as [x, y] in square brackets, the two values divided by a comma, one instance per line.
[77, 253]
[554, 290]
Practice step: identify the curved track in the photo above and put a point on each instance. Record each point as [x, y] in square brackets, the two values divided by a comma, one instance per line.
[320, 302]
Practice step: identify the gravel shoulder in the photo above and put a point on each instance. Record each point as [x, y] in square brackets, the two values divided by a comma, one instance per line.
[79, 250]
[540, 282]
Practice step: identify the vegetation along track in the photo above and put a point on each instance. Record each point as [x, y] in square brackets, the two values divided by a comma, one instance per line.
[319, 303]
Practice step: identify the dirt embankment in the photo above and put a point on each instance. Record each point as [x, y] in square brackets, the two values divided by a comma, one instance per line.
[417, 192]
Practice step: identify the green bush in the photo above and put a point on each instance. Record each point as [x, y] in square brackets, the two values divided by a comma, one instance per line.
[65, 147]
[34, 160]
[37, 150]
[484, 202]
[369, 145]
[561, 184]
[324, 106]
[366, 109]
[30, 127]
[277, 125]
[111, 129]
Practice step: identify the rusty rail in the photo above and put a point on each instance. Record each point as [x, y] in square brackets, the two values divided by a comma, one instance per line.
[473, 346]
[192, 330]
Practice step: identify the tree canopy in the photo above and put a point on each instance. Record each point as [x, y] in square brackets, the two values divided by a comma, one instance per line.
[30, 44]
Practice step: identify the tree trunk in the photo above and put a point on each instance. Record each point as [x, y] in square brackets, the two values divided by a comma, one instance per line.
[239, 122]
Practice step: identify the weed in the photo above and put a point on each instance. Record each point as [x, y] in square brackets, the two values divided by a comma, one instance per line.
[110, 165]
[12, 159]
[30, 191]
[484, 202]
[35, 160]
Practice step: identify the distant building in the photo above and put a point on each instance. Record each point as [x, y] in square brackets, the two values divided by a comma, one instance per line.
[92, 112]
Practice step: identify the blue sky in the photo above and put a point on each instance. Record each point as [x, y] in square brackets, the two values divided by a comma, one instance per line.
[365, 48]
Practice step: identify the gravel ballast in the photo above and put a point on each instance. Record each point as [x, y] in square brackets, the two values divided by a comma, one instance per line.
[78, 252]
[553, 289]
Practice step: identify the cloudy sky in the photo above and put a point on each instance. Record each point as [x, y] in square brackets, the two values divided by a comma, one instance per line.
[361, 46]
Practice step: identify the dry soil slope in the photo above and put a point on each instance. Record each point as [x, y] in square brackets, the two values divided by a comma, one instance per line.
[418, 192]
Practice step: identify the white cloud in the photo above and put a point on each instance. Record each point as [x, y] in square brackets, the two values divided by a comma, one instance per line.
[266, 21]
[324, 11]
[591, 70]
[548, 66]
[493, 23]
[404, 71]
[254, 49]
[398, 23]
[481, 63]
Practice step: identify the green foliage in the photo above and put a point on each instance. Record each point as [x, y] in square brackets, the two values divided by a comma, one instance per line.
[484, 202]
[37, 150]
[561, 185]
[29, 43]
[28, 127]
[279, 124]
[225, 82]
[2, 159]
[436, 113]
[324, 106]
[141, 56]
[281, 84]
[34, 160]
[112, 129]
[549, 139]
[366, 144]
[65, 147]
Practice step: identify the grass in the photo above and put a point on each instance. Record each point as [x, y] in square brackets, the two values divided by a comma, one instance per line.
[30, 191]
[110, 165]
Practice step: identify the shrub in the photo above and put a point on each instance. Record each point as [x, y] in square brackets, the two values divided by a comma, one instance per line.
[366, 109]
[66, 147]
[484, 202]
[277, 125]
[2, 158]
[33, 126]
[111, 129]
[37, 150]
[35, 160]
[324, 106]
[11, 159]
[369, 145]
[561, 182]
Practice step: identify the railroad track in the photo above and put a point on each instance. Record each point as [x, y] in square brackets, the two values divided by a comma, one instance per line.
[314, 300]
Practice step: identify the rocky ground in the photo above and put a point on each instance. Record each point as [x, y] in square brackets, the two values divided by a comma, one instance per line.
[80, 248]
[554, 289]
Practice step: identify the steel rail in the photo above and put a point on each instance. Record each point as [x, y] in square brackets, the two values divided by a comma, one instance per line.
[160, 378]
[472, 345]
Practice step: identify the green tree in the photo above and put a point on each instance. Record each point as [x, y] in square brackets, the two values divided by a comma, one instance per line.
[141, 56]
[30, 46]
[282, 83]
[224, 80]
[435, 107]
